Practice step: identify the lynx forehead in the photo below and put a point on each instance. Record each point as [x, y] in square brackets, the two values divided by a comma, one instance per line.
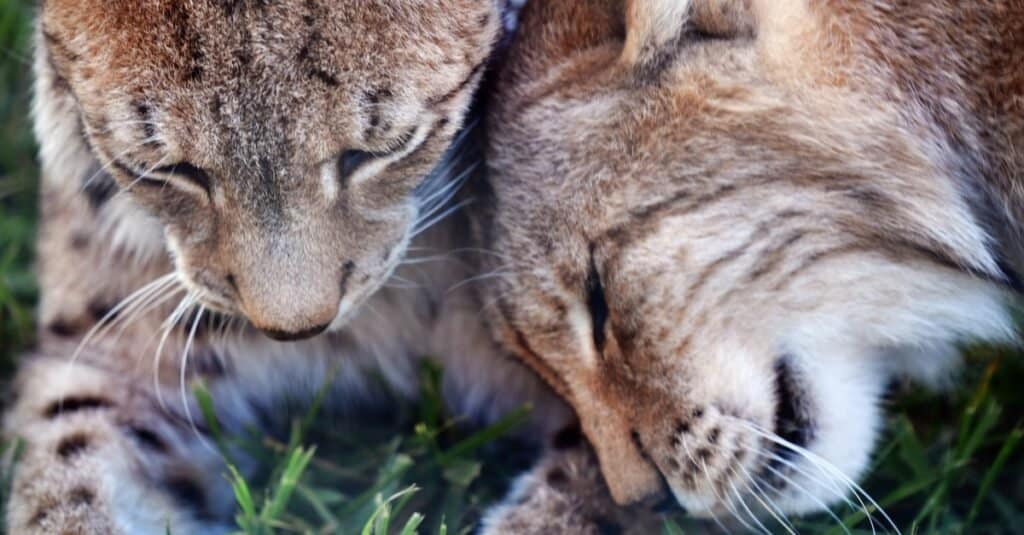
[284, 141]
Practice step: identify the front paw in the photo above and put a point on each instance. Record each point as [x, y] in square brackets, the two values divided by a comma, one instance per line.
[564, 494]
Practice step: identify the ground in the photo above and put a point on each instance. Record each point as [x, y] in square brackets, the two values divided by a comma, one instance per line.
[949, 463]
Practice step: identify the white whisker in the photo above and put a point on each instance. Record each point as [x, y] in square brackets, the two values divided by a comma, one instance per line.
[810, 495]
[711, 484]
[485, 276]
[105, 323]
[186, 405]
[106, 167]
[757, 492]
[829, 469]
[168, 326]
[157, 299]
[743, 504]
[436, 219]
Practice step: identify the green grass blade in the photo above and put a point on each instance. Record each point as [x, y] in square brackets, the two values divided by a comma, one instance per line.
[671, 528]
[297, 464]
[489, 434]
[1009, 446]
[205, 401]
[412, 524]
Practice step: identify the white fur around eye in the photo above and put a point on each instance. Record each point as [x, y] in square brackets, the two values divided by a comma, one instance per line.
[582, 327]
[329, 179]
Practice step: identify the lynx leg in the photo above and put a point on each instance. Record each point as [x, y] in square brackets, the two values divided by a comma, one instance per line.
[565, 494]
[100, 457]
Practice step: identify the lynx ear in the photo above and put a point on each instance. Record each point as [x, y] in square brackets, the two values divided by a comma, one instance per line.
[655, 29]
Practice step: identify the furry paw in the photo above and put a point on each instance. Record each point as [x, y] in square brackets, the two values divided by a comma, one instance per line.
[565, 494]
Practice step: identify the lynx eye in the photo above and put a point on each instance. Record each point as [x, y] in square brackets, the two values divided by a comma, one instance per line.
[598, 306]
[188, 171]
[351, 160]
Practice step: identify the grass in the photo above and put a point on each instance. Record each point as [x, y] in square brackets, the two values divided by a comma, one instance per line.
[948, 463]
[414, 468]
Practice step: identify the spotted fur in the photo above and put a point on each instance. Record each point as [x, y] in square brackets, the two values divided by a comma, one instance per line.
[215, 169]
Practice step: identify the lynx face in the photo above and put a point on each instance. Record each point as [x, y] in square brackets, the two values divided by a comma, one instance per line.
[282, 145]
[719, 255]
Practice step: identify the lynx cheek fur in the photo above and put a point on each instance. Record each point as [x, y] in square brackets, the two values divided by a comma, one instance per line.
[269, 162]
[730, 224]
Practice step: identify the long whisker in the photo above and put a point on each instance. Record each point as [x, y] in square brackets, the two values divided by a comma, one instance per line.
[484, 276]
[825, 483]
[106, 167]
[410, 261]
[423, 227]
[142, 176]
[110, 318]
[442, 195]
[155, 301]
[810, 495]
[186, 405]
[743, 504]
[509, 260]
[711, 484]
[830, 479]
[168, 326]
[829, 469]
[757, 492]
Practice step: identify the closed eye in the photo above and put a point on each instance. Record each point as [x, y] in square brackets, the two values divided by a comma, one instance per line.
[598, 305]
[352, 160]
[188, 171]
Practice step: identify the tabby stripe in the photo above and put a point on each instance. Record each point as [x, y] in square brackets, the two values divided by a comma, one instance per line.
[445, 98]
[772, 257]
[709, 270]
[645, 219]
[54, 44]
[415, 151]
[814, 259]
[148, 129]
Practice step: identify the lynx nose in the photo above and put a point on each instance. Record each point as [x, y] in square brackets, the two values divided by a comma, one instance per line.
[289, 308]
[286, 336]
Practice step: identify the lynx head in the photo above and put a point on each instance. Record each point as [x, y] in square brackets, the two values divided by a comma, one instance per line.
[282, 145]
[718, 248]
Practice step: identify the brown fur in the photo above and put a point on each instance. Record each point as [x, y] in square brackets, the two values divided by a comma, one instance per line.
[734, 181]
[258, 98]
[206, 141]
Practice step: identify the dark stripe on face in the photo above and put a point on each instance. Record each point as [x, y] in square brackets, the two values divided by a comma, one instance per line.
[426, 142]
[98, 186]
[346, 274]
[450, 95]
[645, 219]
[525, 351]
[188, 40]
[813, 259]
[770, 258]
[726, 258]
[375, 122]
[58, 48]
[308, 57]
[60, 83]
[230, 7]
[145, 114]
